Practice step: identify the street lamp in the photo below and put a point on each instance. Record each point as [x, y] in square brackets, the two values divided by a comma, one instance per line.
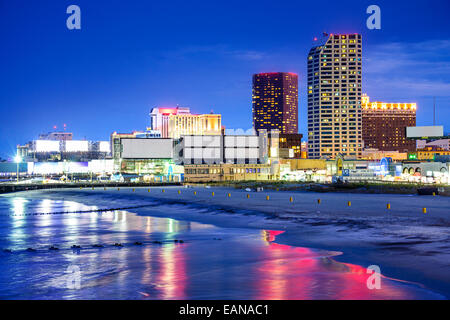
[17, 159]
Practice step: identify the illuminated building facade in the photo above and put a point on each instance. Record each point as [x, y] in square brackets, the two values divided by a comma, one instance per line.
[429, 171]
[177, 122]
[304, 150]
[284, 145]
[275, 101]
[143, 153]
[228, 172]
[375, 154]
[291, 145]
[428, 154]
[334, 97]
[384, 125]
[65, 149]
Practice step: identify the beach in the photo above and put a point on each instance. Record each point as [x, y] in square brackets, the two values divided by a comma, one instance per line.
[406, 243]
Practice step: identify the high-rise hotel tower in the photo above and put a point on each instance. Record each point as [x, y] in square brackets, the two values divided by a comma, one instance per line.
[334, 97]
[275, 101]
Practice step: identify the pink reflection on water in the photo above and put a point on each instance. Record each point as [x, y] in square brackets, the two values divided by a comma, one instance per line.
[354, 285]
[167, 278]
[172, 276]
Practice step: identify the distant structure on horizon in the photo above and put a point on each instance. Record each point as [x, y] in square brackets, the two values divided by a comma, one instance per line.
[275, 102]
[60, 146]
[179, 121]
[334, 97]
[444, 144]
[56, 135]
[384, 125]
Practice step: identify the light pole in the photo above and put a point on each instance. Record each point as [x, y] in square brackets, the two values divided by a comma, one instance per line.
[17, 160]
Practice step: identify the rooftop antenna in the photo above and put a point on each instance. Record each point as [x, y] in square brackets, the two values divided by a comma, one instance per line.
[317, 40]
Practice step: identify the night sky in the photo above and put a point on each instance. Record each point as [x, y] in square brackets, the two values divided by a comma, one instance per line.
[130, 56]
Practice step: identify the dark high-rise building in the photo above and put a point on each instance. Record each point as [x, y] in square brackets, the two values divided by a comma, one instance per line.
[334, 97]
[275, 101]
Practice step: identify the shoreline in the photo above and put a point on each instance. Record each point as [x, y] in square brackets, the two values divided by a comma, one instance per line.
[352, 187]
[348, 187]
[363, 238]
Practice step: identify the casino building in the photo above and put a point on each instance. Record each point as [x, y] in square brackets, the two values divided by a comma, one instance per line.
[176, 122]
[384, 125]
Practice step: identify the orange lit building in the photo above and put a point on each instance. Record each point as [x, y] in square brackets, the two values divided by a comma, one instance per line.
[384, 125]
[428, 153]
[275, 101]
[304, 150]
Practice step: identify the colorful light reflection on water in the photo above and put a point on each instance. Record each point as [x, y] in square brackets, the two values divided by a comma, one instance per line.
[212, 263]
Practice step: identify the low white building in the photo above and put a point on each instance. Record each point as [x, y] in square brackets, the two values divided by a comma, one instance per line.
[212, 149]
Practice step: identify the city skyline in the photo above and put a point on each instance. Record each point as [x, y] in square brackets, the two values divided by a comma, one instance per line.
[211, 157]
[117, 81]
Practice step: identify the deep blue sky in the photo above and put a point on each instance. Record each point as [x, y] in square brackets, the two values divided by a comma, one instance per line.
[132, 55]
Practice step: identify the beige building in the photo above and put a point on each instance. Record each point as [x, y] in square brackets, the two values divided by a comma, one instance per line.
[305, 164]
[375, 154]
[229, 172]
[177, 122]
[334, 97]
